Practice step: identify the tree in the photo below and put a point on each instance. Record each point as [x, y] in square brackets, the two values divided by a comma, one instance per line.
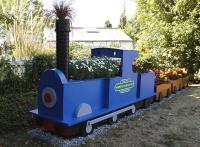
[170, 30]
[123, 18]
[132, 28]
[108, 24]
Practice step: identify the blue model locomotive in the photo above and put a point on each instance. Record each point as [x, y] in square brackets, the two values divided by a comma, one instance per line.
[65, 104]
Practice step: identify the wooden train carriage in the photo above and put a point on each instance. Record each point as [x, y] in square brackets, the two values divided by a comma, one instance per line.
[163, 90]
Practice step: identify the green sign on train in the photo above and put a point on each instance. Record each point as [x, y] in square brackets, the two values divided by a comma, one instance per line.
[124, 85]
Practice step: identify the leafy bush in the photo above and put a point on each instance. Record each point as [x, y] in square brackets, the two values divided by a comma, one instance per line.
[9, 82]
[170, 31]
[6, 50]
[145, 63]
[5, 69]
[35, 67]
[15, 111]
[77, 50]
[197, 77]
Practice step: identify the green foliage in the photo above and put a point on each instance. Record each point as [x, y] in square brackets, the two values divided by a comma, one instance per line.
[132, 28]
[6, 71]
[25, 21]
[77, 50]
[5, 21]
[123, 19]
[10, 82]
[108, 24]
[35, 67]
[13, 79]
[169, 30]
[145, 63]
[6, 50]
[15, 109]
[197, 77]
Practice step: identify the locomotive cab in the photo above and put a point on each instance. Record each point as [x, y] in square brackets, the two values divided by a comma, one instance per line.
[126, 56]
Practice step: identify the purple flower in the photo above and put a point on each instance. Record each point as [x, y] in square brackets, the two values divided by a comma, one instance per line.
[135, 64]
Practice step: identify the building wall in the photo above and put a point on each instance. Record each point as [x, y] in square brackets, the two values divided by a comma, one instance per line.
[92, 44]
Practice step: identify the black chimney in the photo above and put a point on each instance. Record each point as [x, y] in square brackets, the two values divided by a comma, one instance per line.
[62, 44]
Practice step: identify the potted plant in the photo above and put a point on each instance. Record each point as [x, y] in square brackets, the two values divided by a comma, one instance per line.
[162, 85]
[175, 79]
[185, 78]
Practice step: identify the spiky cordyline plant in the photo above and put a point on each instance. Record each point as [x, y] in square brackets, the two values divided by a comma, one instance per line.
[63, 10]
[63, 13]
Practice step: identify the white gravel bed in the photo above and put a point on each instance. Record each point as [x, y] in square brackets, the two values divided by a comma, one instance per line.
[62, 142]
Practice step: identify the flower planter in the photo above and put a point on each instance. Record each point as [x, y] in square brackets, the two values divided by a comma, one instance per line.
[176, 85]
[163, 90]
[185, 81]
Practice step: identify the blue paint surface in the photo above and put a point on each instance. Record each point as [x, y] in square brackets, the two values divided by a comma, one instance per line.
[146, 83]
[103, 94]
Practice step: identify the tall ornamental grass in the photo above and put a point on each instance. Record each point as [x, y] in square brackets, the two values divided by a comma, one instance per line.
[26, 30]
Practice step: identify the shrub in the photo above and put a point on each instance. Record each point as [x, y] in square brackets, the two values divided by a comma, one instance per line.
[15, 111]
[6, 49]
[9, 82]
[196, 78]
[77, 50]
[145, 63]
[35, 67]
[6, 71]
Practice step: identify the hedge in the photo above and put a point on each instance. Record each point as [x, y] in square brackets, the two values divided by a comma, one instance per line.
[15, 109]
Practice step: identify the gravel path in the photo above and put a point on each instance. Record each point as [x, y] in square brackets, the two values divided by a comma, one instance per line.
[174, 122]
